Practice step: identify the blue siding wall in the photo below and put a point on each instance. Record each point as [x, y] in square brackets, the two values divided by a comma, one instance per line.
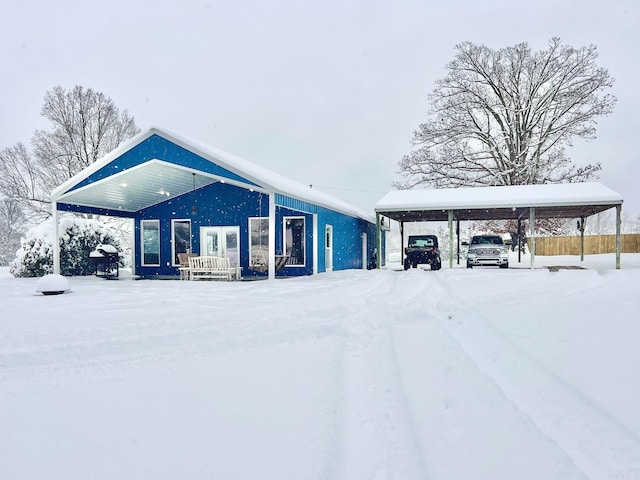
[219, 204]
[227, 205]
[347, 234]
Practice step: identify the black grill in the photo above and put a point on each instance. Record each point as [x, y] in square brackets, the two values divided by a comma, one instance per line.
[106, 261]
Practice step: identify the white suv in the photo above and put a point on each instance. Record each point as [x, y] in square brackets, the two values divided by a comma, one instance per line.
[487, 250]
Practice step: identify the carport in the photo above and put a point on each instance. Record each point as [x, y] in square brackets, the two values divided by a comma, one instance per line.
[567, 200]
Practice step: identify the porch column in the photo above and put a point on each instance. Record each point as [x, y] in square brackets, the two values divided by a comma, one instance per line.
[272, 235]
[316, 240]
[56, 238]
[618, 235]
[532, 234]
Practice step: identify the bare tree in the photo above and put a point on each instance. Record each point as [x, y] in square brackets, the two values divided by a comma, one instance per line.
[504, 117]
[20, 180]
[86, 126]
[12, 221]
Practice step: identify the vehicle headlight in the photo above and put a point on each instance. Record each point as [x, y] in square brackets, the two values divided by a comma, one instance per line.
[504, 253]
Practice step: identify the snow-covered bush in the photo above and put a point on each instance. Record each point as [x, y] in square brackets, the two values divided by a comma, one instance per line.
[78, 237]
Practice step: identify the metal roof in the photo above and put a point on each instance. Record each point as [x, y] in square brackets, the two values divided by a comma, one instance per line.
[571, 200]
[158, 180]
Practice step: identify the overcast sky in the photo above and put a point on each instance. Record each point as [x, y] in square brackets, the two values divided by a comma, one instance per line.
[326, 92]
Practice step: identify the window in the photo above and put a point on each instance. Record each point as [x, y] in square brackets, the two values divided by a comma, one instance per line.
[181, 234]
[150, 242]
[294, 240]
[259, 243]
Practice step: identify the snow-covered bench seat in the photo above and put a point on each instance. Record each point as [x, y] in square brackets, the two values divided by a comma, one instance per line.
[211, 267]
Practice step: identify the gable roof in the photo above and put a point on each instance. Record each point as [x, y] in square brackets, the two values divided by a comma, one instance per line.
[566, 200]
[144, 181]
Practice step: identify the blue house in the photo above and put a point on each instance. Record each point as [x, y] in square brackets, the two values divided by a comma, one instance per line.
[186, 197]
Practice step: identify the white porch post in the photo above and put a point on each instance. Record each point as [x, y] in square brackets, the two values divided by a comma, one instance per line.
[272, 235]
[56, 238]
[316, 240]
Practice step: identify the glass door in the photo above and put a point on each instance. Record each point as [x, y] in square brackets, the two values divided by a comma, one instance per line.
[221, 242]
[328, 248]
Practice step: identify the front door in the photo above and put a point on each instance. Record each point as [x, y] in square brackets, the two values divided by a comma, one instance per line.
[328, 248]
[221, 242]
[364, 251]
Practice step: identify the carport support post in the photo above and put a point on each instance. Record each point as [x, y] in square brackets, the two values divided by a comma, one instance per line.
[581, 228]
[402, 243]
[458, 241]
[519, 240]
[532, 234]
[56, 241]
[450, 238]
[377, 240]
[618, 235]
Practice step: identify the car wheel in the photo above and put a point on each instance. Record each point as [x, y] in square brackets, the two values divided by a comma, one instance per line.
[414, 265]
[469, 265]
[504, 265]
[406, 264]
[436, 266]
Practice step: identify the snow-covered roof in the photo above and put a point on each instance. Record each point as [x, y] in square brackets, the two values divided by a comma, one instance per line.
[141, 191]
[550, 200]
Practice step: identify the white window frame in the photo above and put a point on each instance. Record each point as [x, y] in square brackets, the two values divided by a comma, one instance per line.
[304, 239]
[142, 244]
[266, 254]
[173, 239]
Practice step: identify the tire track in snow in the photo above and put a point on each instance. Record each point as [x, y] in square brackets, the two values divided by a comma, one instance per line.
[598, 444]
[377, 437]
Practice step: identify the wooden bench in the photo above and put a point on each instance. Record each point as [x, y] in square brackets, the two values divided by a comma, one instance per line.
[213, 268]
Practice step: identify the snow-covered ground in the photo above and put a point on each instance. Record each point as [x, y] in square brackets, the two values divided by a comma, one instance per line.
[373, 375]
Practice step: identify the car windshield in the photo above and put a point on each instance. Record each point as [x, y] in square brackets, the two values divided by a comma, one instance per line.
[422, 242]
[487, 240]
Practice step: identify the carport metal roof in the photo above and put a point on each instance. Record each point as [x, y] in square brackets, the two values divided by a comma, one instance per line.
[567, 200]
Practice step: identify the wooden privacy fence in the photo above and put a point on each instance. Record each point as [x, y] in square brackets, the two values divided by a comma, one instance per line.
[592, 244]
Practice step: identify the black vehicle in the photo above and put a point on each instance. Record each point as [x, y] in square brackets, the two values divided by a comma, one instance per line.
[422, 249]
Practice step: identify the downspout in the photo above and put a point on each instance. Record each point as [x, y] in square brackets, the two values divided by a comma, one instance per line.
[56, 238]
[618, 234]
[272, 235]
[532, 234]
